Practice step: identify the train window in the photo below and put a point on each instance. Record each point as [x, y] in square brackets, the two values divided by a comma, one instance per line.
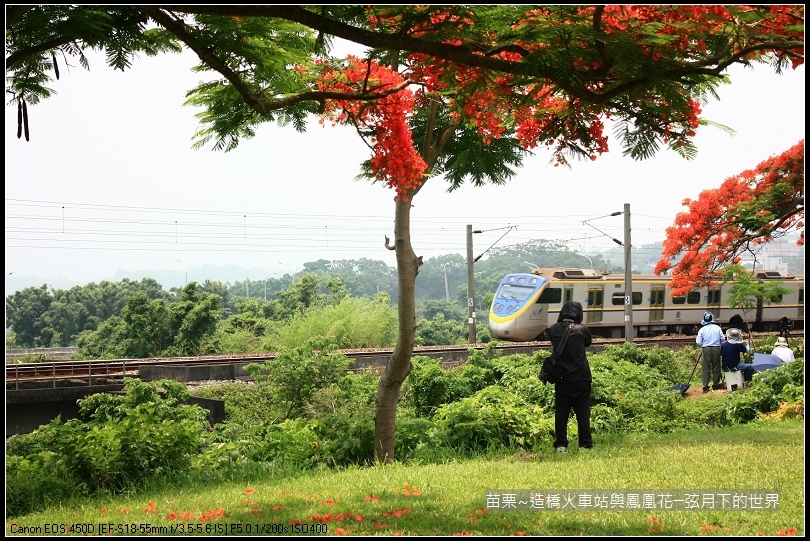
[550, 295]
[693, 297]
[801, 296]
[569, 294]
[618, 298]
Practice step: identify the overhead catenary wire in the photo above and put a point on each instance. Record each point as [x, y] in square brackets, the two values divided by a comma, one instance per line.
[63, 225]
[508, 229]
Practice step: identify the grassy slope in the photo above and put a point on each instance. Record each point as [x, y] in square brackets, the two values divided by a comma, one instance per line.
[449, 498]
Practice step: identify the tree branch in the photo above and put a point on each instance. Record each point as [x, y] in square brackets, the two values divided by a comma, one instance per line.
[261, 106]
[15, 13]
[469, 55]
[17, 57]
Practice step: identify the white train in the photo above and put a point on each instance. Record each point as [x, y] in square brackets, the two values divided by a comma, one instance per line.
[527, 304]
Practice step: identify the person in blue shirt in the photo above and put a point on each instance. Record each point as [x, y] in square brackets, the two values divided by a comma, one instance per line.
[730, 352]
[709, 339]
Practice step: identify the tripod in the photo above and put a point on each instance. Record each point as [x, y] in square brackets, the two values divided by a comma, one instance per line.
[784, 332]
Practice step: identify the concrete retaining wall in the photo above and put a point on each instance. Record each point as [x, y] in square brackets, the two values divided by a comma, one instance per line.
[28, 410]
[185, 374]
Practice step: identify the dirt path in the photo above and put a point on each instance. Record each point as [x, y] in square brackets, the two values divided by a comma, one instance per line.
[696, 391]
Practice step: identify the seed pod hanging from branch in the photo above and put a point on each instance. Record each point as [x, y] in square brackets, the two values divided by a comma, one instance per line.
[25, 118]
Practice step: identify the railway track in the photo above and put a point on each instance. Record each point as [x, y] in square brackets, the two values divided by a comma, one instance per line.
[92, 373]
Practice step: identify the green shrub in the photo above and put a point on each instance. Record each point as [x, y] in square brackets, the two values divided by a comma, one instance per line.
[673, 366]
[36, 478]
[492, 417]
[306, 411]
[707, 411]
[353, 323]
[438, 331]
[484, 357]
[628, 352]
[233, 341]
[291, 442]
[118, 442]
[353, 395]
[134, 436]
[296, 374]
[431, 386]
[767, 391]
[606, 420]
[415, 437]
[246, 404]
[519, 374]
[345, 441]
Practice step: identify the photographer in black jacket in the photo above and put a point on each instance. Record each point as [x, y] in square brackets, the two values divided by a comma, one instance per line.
[573, 392]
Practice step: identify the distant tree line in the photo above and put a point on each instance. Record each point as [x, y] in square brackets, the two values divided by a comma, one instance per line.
[139, 319]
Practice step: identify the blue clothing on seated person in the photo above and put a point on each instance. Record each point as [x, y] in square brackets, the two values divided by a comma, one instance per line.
[730, 352]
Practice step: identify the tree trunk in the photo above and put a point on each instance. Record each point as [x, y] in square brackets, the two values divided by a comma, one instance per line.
[385, 420]
[400, 366]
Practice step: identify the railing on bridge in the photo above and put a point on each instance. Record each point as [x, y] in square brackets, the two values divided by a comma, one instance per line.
[13, 355]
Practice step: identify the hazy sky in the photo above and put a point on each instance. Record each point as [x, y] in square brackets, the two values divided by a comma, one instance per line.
[109, 181]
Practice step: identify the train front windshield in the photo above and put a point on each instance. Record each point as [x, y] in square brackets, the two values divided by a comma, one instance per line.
[515, 293]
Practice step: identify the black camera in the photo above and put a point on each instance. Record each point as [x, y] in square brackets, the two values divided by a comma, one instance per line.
[786, 324]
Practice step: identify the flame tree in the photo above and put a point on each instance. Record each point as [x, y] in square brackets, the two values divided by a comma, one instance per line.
[464, 93]
[747, 209]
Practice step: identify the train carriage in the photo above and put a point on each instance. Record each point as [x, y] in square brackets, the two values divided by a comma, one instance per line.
[525, 305]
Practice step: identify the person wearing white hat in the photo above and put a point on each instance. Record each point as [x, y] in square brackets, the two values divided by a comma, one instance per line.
[730, 352]
[782, 350]
[709, 339]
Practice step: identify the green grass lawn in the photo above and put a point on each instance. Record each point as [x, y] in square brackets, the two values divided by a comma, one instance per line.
[450, 498]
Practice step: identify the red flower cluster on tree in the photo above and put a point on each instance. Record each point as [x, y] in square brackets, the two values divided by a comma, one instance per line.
[747, 209]
[545, 109]
[394, 161]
